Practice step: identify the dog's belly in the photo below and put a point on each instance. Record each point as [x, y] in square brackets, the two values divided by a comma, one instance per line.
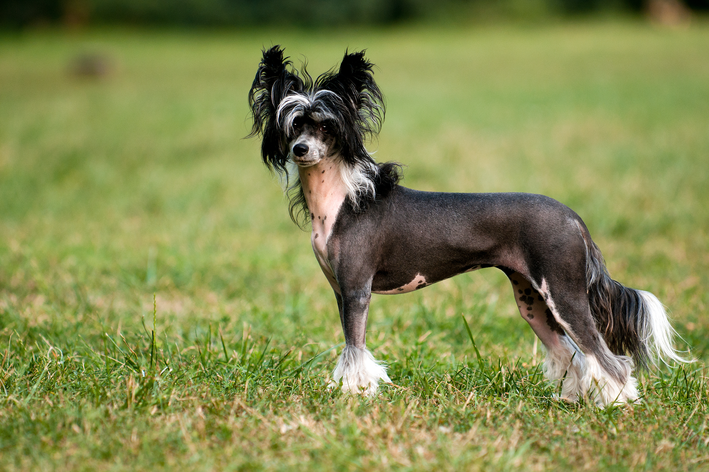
[418, 282]
[380, 283]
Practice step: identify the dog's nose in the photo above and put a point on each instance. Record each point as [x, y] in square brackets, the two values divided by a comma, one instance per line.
[300, 150]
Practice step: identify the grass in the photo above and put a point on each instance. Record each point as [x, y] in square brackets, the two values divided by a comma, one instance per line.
[158, 309]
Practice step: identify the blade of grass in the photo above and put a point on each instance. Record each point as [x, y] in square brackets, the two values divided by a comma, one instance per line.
[470, 334]
[308, 363]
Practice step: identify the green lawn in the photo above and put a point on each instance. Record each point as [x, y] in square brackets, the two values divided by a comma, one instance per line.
[139, 187]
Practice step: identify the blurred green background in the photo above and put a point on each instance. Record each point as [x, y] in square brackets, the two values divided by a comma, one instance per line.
[124, 169]
[124, 174]
[323, 13]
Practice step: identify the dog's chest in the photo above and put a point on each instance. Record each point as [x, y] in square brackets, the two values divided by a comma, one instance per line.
[322, 229]
[324, 194]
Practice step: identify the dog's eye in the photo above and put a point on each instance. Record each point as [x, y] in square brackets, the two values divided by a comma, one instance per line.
[297, 122]
[324, 128]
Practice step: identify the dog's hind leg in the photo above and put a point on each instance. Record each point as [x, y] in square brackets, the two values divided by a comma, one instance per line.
[357, 370]
[607, 377]
[564, 361]
[577, 355]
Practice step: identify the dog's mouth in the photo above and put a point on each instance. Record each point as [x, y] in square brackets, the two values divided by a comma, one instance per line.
[304, 162]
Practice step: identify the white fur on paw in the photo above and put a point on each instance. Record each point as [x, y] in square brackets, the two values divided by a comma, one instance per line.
[358, 372]
[567, 364]
[604, 389]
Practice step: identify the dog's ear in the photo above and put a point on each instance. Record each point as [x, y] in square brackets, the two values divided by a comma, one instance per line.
[356, 72]
[272, 83]
[355, 84]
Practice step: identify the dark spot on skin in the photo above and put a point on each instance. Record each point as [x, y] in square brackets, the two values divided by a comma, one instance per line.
[323, 181]
[527, 291]
[540, 298]
[400, 289]
[312, 215]
[520, 291]
[515, 282]
[316, 236]
[530, 316]
[529, 307]
[553, 324]
[322, 172]
[318, 216]
[323, 220]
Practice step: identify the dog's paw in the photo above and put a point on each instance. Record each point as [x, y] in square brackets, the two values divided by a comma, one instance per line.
[357, 372]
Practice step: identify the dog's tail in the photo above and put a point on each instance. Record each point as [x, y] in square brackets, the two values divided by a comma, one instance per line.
[632, 321]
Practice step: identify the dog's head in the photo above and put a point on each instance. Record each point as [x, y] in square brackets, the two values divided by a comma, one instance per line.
[305, 121]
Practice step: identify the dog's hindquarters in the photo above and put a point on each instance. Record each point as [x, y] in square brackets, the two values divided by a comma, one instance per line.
[593, 325]
[550, 278]
[577, 355]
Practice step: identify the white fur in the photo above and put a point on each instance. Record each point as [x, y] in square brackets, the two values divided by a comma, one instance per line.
[359, 372]
[358, 179]
[604, 389]
[584, 375]
[296, 104]
[296, 101]
[566, 362]
[658, 334]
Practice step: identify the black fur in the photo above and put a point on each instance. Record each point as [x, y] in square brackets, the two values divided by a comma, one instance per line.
[272, 83]
[620, 312]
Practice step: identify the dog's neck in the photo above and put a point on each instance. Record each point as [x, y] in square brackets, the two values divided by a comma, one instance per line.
[324, 192]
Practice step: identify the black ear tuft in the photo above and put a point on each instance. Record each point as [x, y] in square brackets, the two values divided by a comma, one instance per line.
[273, 61]
[272, 83]
[356, 71]
[355, 84]
[272, 69]
[360, 98]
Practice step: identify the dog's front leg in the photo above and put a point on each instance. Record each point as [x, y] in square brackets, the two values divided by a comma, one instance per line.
[357, 370]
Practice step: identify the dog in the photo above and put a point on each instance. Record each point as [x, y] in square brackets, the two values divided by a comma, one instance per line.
[372, 235]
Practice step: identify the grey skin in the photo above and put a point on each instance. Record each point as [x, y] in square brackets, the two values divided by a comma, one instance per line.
[440, 235]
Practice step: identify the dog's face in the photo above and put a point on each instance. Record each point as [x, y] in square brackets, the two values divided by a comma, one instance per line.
[312, 139]
[306, 121]
[309, 125]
